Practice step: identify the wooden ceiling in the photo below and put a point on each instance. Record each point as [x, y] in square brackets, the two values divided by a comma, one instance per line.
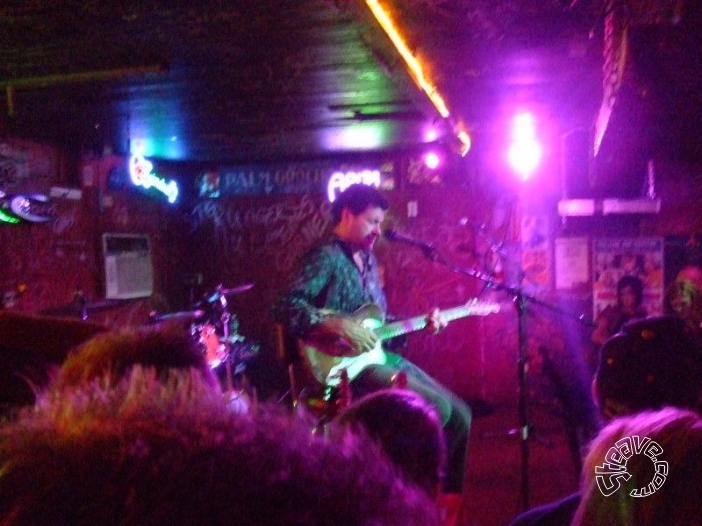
[244, 81]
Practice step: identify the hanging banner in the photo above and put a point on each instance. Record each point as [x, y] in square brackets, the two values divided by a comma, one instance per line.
[536, 250]
[614, 258]
[302, 178]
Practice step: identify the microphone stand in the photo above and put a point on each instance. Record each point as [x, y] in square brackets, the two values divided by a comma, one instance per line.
[520, 300]
[82, 303]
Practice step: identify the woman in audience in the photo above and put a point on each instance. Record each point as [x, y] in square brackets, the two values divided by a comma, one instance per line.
[650, 364]
[629, 306]
[660, 483]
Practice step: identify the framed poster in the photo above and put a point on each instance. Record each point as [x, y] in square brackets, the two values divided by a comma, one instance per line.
[572, 255]
[614, 258]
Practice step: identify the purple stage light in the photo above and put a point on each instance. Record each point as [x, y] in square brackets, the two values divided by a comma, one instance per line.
[432, 160]
[525, 151]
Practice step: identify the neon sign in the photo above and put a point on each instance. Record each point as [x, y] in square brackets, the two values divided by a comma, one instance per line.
[141, 172]
[340, 181]
[31, 208]
[7, 218]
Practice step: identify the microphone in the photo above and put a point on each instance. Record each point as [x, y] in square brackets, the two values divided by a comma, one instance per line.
[393, 235]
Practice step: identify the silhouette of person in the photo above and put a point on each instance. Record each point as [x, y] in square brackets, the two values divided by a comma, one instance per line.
[152, 449]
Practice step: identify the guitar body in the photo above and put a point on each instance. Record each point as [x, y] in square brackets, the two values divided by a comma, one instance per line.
[325, 359]
[322, 356]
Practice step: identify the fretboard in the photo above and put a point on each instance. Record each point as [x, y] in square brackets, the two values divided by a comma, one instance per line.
[398, 328]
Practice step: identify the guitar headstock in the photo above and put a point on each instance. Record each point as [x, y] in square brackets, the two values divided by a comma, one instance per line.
[478, 307]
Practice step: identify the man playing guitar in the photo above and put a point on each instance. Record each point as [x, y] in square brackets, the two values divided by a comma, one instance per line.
[335, 279]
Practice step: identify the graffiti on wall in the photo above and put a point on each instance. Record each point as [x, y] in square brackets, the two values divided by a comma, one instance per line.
[276, 232]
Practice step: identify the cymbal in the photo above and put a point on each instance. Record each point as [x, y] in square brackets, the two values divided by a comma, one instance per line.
[184, 316]
[221, 291]
[237, 290]
[77, 308]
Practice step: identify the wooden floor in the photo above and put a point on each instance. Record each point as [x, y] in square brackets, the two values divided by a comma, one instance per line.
[495, 476]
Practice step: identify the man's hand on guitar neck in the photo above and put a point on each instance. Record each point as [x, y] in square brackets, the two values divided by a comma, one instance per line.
[355, 338]
[435, 323]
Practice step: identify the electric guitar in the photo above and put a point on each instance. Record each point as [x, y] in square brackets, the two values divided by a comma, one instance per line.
[322, 355]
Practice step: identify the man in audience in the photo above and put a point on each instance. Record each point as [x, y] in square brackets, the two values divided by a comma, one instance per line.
[684, 297]
[163, 347]
[145, 448]
[408, 431]
[650, 364]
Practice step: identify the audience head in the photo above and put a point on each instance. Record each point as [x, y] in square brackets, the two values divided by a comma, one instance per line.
[407, 429]
[357, 198]
[141, 449]
[671, 494]
[114, 353]
[649, 364]
[684, 296]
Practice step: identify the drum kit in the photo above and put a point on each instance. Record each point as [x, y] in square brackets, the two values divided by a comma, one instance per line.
[215, 329]
[211, 324]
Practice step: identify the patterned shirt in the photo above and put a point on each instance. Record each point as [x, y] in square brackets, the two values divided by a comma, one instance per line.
[328, 278]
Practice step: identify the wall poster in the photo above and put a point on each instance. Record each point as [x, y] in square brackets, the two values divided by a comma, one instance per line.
[614, 258]
[572, 262]
[536, 250]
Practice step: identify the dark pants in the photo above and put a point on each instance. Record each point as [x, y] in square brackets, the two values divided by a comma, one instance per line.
[455, 414]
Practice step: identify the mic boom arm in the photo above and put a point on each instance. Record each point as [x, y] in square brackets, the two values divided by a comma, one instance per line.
[429, 249]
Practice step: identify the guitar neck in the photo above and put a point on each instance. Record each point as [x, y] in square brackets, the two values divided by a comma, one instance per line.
[326, 360]
[398, 328]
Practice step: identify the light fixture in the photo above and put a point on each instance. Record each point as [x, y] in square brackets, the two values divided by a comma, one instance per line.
[415, 68]
[432, 160]
[525, 151]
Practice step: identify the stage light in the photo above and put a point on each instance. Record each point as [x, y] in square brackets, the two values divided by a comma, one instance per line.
[525, 151]
[432, 160]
